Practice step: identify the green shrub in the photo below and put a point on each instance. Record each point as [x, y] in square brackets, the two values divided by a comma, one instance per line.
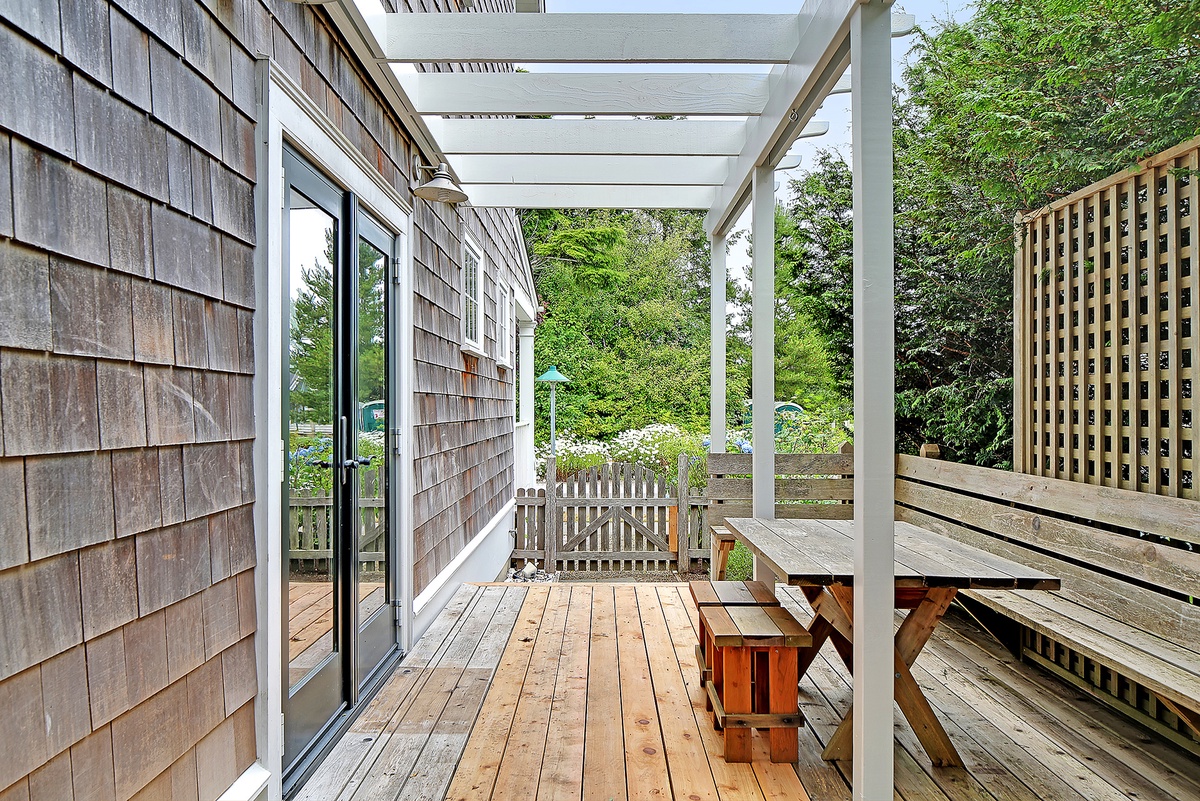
[741, 564]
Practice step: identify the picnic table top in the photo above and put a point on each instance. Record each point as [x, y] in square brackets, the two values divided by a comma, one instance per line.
[818, 553]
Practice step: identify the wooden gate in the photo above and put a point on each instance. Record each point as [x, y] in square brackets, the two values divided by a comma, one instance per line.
[616, 516]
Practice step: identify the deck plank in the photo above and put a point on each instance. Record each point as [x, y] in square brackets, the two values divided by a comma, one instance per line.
[687, 762]
[604, 732]
[562, 764]
[645, 759]
[521, 764]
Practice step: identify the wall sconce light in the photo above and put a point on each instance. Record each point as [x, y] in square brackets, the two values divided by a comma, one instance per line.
[441, 188]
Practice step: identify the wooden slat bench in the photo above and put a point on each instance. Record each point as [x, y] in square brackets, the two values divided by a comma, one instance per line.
[725, 593]
[1125, 627]
[755, 673]
[799, 477]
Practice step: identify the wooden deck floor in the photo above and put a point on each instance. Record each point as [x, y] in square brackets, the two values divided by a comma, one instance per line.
[310, 621]
[591, 692]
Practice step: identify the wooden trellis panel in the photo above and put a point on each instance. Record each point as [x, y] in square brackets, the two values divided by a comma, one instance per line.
[1104, 340]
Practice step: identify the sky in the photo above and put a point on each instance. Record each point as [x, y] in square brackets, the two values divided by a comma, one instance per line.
[836, 110]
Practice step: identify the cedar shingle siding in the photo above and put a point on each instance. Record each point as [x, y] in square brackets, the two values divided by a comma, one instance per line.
[127, 236]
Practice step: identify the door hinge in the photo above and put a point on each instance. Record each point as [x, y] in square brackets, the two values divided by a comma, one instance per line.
[397, 266]
[396, 441]
[398, 616]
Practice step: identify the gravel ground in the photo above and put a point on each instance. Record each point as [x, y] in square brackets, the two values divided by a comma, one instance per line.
[623, 576]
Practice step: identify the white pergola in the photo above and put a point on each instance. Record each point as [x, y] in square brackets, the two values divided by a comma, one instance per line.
[590, 153]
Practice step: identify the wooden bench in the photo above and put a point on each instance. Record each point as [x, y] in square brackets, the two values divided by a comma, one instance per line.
[725, 593]
[799, 477]
[755, 677]
[1124, 628]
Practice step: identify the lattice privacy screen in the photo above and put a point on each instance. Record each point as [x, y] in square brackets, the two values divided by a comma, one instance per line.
[1105, 342]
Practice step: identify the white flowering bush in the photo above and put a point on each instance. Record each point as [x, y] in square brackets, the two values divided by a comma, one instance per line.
[656, 447]
[573, 455]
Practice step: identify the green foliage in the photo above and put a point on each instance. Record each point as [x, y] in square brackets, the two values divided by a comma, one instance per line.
[1028, 101]
[311, 334]
[622, 319]
[740, 566]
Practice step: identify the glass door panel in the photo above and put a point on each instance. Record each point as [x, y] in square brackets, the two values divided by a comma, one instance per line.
[375, 617]
[312, 636]
[315, 576]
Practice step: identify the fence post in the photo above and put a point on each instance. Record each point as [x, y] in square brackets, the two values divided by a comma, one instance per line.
[682, 516]
[931, 451]
[552, 516]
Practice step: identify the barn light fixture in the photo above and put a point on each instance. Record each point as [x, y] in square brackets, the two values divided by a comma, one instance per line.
[441, 188]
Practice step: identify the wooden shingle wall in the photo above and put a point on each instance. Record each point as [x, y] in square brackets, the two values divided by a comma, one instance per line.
[127, 663]
[464, 405]
[1105, 331]
[127, 235]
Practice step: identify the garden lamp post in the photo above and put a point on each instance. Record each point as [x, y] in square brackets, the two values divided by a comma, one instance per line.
[553, 378]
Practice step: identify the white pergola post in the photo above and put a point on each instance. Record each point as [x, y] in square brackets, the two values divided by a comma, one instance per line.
[762, 382]
[523, 451]
[762, 347]
[716, 305]
[874, 401]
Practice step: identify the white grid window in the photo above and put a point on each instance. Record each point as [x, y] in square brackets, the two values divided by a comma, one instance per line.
[472, 297]
[503, 325]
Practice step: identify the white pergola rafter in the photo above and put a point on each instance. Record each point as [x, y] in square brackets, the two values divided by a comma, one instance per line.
[718, 165]
[558, 170]
[597, 137]
[586, 93]
[592, 38]
[598, 38]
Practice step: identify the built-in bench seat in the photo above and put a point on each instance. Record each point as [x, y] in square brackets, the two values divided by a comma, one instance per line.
[1124, 627]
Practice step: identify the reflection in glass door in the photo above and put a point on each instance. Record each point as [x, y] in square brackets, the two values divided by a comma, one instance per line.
[339, 624]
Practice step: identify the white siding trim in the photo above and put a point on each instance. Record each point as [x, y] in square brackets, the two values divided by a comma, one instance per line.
[485, 558]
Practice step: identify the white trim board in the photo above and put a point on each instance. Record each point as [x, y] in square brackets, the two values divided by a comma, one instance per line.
[485, 558]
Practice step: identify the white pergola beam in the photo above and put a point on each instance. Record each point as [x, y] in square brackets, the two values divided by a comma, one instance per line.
[797, 91]
[575, 169]
[592, 38]
[528, 196]
[528, 93]
[598, 137]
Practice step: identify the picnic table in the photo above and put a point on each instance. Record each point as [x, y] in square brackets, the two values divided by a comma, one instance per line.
[818, 557]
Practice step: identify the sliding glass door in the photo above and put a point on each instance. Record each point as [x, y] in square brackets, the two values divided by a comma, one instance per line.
[339, 571]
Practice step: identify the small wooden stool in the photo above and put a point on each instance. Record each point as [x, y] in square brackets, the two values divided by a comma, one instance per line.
[755, 677]
[725, 593]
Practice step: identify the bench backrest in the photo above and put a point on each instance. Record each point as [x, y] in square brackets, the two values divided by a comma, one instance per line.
[798, 477]
[1126, 554]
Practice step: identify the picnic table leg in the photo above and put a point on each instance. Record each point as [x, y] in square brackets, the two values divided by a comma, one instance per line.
[785, 741]
[911, 638]
[736, 698]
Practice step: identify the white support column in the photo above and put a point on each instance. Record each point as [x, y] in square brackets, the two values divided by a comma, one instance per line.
[716, 306]
[523, 451]
[762, 382]
[874, 400]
